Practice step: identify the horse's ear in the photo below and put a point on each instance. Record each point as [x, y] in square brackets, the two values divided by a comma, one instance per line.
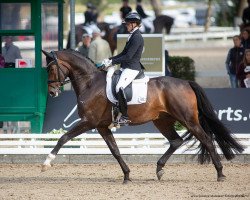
[47, 54]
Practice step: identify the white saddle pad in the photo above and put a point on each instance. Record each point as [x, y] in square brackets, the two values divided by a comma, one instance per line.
[139, 88]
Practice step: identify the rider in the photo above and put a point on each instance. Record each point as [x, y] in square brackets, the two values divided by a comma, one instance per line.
[90, 15]
[124, 10]
[149, 28]
[129, 60]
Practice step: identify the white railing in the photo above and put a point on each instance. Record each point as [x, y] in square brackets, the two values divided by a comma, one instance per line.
[201, 29]
[201, 36]
[147, 143]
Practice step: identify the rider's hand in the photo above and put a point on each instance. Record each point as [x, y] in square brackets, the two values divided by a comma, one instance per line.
[107, 62]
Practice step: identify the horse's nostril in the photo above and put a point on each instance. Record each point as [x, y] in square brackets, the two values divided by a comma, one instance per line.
[51, 94]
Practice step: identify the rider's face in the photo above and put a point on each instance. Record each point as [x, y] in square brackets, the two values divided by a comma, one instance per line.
[130, 26]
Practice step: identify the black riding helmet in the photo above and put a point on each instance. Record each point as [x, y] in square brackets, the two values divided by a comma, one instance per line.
[133, 17]
[90, 5]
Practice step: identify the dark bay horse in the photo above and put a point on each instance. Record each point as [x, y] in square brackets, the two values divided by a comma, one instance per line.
[169, 100]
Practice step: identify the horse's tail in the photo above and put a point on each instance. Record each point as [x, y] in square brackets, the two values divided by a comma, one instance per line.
[213, 127]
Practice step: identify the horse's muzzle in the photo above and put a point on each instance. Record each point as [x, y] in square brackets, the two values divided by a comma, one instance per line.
[54, 92]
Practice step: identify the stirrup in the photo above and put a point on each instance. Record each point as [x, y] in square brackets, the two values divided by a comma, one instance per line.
[123, 121]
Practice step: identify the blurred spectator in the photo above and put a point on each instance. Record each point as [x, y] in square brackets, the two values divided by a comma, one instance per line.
[10, 52]
[167, 69]
[243, 70]
[2, 61]
[99, 48]
[246, 15]
[90, 15]
[84, 48]
[234, 58]
[245, 39]
[147, 24]
[124, 10]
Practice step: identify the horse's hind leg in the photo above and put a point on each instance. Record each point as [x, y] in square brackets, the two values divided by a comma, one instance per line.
[166, 127]
[201, 135]
[110, 140]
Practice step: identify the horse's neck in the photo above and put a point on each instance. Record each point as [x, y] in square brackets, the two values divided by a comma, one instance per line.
[84, 82]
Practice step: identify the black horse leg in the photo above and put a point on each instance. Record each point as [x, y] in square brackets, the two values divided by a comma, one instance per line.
[110, 140]
[166, 127]
[200, 134]
[80, 128]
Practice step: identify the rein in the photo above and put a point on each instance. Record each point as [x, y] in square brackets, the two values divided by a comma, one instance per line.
[62, 82]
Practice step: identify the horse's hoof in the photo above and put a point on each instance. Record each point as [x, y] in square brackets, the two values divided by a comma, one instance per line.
[221, 179]
[45, 168]
[127, 181]
[160, 174]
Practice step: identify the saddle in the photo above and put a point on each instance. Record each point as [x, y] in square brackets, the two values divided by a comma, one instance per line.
[139, 84]
[128, 90]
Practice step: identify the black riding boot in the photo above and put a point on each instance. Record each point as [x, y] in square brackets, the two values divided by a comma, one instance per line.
[123, 107]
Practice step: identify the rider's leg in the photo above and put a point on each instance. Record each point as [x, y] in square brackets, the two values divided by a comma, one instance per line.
[127, 76]
[123, 107]
[148, 24]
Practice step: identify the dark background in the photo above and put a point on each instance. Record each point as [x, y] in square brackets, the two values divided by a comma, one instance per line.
[238, 99]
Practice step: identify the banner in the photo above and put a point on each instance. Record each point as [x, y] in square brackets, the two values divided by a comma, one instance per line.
[153, 58]
[231, 105]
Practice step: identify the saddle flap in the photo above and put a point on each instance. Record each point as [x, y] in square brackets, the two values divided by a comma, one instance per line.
[138, 85]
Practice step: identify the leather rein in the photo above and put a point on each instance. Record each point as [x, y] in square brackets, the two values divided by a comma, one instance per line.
[62, 82]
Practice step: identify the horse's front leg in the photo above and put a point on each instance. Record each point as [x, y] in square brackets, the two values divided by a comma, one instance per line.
[81, 127]
[110, 140]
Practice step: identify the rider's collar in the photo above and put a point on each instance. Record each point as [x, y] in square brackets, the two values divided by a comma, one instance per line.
[136, 28]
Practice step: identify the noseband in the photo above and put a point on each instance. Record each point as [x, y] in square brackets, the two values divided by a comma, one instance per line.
[55, 61]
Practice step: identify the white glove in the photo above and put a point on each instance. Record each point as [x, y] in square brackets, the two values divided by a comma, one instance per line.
[107, 62]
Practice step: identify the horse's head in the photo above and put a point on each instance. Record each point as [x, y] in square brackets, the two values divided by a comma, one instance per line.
[58, 71]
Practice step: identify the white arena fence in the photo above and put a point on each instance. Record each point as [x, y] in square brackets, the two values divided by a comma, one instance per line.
[177, 35]
[134, 143]
[199, 36]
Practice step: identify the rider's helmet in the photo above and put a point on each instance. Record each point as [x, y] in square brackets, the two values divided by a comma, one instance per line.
[133, 17]
[90, 5]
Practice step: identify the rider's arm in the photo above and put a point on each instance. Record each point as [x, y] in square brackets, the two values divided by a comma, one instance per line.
[129, 51]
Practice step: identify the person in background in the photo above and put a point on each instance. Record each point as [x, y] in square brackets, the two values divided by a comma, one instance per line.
[243, 70]
[10, 52]
[246, 15]
[234, 58]
[124, 10]
[90, 15]
[148, 25]
[167, 69]
[84, 48]
[245, 39]
[2, 61]
[99, 48]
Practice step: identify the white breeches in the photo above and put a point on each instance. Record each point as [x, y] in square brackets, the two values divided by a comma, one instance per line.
[127, 76]
[149, 24]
